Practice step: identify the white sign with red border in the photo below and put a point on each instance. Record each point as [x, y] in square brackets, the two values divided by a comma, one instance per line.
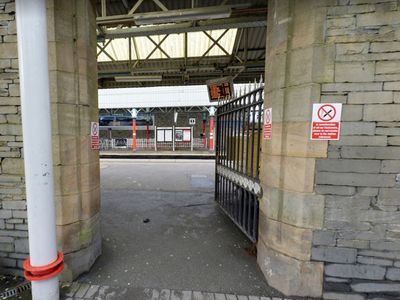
[267, 129]
[325, 123]
[94, 136]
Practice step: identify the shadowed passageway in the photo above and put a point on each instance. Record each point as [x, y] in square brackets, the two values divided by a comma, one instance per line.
[162, 229]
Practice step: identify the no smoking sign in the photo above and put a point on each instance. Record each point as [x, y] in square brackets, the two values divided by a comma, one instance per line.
[326, 121]
[326, 112]
[267, 130]
[94, 136]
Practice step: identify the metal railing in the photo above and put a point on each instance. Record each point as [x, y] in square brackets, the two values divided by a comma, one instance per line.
[124, 144]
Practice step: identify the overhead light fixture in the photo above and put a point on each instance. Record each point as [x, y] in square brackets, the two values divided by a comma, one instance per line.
[150, 78]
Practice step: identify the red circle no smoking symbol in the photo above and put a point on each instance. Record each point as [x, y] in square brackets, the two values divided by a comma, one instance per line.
[94, 128]
[326, 112]
[267, 116]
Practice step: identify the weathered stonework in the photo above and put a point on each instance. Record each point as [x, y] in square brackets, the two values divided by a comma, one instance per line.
[13, 222]
[363, 224]
[297, 62]
[340, 197]
[73, 91]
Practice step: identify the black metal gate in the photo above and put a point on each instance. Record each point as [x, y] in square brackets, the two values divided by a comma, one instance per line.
[238, 144]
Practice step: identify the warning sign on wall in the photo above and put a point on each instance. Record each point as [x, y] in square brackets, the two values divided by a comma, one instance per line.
[325, 123]
[94, 136]
[267, 129]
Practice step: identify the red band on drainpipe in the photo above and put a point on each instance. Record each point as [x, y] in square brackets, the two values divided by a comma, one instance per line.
[43, 272]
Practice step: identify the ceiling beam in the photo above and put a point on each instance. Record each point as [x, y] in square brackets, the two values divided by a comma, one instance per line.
[103, 9]
[240, 22]
[170, 16]
[241, 78]
[214, 42]
[160, 5]
[135, 7]
[103, 48]
[125, 4]
[176, 69]
[158, 46]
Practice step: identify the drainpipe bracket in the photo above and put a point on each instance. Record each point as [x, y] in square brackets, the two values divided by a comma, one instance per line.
[43, 272]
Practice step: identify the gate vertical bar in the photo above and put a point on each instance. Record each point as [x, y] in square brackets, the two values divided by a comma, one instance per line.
[238, 146]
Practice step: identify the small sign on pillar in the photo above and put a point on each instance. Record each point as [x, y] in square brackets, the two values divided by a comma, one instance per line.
[267, 128]
[94, 136]
[325, 123]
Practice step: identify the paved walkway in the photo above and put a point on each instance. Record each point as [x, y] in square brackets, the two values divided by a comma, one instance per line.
[158, 154]
[161, 228]
[78, 291]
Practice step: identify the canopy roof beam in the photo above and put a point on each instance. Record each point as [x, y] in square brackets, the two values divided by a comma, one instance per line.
[241, 22]
[160, 5]
[158, 46]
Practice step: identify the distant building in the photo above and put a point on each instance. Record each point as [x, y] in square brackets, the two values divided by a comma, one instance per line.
[182, 108]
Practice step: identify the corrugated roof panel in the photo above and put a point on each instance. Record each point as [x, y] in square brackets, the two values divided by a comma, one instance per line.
[118, 49]
[173, 45]
[154, 97]
[169, 96]
[198, 42]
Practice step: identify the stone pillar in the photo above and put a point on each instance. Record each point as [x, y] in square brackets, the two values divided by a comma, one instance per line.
[73, 80]
[297, 61]
[330, 212]
[73, 73]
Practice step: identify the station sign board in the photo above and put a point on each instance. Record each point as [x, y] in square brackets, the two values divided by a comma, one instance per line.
[219, 89]
[325, 123]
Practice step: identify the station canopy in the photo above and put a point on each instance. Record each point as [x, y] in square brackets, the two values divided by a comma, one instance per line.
[161, 96]
[143, 43]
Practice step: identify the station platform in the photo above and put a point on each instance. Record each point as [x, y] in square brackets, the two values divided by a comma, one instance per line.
[158, 155]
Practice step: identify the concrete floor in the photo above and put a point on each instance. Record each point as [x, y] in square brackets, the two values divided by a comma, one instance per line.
[188, 244]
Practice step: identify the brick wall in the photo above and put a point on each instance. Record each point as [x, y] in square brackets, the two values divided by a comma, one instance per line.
[330, 211]
[73, 93]
[360, 242]
[13, 223]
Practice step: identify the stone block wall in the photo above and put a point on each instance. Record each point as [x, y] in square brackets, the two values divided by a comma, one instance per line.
[360, 240]
[13, 222]
[73, 91]
[330, 213]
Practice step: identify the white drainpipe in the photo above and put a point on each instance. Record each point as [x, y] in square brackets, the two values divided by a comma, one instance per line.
[36, 125]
